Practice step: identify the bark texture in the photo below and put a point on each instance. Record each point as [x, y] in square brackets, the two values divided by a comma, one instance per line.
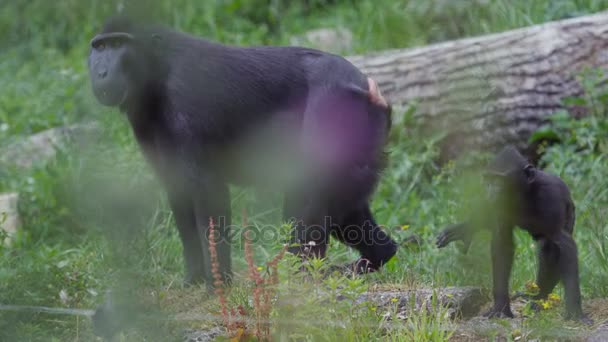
[491, 90]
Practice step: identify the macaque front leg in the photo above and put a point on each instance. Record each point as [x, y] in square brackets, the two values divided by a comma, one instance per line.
[456, 232]
[502, 261]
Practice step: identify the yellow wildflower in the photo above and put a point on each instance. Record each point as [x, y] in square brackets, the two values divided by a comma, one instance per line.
[531, 286]
[405, 227]
[554, 298]
[546, 305]
[260, 268]
[394, 300]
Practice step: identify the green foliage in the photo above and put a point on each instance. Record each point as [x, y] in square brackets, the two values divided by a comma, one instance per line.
[59, 96]
[96, 216]
[589, 134]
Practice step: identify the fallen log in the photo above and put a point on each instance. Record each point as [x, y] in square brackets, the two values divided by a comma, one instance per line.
[488, 91]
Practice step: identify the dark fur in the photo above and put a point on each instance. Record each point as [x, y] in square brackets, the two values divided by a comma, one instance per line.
[541, 204]
[207, 115]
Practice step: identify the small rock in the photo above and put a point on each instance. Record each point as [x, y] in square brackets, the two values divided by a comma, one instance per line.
[326, 39]
[9, 215]
[462, 302]
[600, 334]
[192, 335]
[64, 297]
[481, 328]
[42, 147]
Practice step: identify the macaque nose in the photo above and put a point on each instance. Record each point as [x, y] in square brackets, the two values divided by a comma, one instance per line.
[102, 73]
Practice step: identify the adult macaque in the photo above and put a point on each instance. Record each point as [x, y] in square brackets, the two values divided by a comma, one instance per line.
[207, 115]
[539, 203]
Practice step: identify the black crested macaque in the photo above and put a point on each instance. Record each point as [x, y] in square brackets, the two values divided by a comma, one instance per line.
[539, 203]
[207, 115]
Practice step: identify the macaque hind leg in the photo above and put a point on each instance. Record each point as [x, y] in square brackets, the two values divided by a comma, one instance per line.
[568, 270]
[548, 268]
[309, 234]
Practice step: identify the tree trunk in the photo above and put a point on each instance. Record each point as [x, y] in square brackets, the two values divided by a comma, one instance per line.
[491, 90]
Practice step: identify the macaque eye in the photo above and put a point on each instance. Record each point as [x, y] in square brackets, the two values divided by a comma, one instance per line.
[100, 45]
[111, 43]
[116, 43]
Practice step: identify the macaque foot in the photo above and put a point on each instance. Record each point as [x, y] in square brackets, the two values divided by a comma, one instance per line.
[305, 252]
[580, 317]
[358, 267]
[535, 306]
[532, 299]
[193, 280]
[363, 266]
[504, 312]
[309, 250]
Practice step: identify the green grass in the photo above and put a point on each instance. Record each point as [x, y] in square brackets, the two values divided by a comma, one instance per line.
[95, 218]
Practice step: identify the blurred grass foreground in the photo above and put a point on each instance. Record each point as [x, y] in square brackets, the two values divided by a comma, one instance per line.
[93, 218]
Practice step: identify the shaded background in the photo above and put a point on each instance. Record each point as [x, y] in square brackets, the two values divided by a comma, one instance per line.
[95, 216]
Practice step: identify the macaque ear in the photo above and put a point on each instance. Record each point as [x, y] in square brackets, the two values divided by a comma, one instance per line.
[156, 37]
[530, 173]
[156, 40]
